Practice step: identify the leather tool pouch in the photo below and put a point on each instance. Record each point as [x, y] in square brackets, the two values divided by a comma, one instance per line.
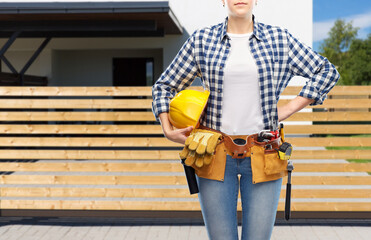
[272, 163]
[265, 164]
[215, 170]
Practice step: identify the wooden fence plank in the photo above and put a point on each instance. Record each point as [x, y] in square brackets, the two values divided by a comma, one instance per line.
[337, 103]
[331, 154]
[161, 154]
[162, 192]
[91, 167]
[329, 180]
[329, 206]
[330, 141]
[168, 205]
[329, 129]
[146, 91]
[330, 116]
[332, 167]
[75, 91]
[156, 129]
[80, 91]
[162, 142]
[97, 192]
[159, 167]
[95, 180]
[328, 193]
[77, 116]
[80, 129]
[149, 117]
[76, 103]
[89, 154]
[87, 142]
[165, 180]
[99, 205]
[144, 103]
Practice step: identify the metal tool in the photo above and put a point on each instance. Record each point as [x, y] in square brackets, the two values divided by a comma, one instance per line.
[268, 135]
[191, 178]
[290, 167]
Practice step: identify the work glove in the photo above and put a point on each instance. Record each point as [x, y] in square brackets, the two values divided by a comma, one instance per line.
[199, 147]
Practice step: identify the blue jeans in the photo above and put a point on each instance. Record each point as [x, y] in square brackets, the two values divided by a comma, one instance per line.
[219, 203]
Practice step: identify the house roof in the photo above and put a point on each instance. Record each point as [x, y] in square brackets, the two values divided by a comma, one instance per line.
[88, 19]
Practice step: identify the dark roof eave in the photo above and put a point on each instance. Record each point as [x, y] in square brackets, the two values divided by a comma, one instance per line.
[26, 8]
[175, 20]
[83, 7]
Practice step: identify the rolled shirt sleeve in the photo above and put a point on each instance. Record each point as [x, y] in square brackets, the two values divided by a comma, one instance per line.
[321, 74]
[178, 75]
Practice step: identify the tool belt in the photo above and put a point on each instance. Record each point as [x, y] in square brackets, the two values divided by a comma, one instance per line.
[265, 162]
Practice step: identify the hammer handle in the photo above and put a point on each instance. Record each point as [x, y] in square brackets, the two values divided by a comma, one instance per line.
[288, 202]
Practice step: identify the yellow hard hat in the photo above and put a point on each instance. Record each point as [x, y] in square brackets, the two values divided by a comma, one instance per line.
[186, 108]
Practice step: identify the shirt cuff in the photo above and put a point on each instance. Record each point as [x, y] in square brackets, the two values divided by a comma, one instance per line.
[311, 92]
[160, 106]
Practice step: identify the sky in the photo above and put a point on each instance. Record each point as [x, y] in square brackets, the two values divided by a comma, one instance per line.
[325, 12]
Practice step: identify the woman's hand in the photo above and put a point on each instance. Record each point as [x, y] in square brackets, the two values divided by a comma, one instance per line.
[175, 135]
[178, 135]
[292, 107]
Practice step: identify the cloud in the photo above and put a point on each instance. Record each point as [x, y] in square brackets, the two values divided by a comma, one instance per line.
[321, 29]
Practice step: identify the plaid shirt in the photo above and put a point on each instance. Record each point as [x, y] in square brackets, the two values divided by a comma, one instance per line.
[278, 55]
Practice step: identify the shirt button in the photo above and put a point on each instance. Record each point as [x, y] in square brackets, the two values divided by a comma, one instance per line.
[219, 91]
[220, 67]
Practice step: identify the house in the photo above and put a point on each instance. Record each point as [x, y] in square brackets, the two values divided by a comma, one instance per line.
[114, 43]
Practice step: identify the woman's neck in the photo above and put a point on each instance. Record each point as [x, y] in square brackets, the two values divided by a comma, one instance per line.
[240, 25]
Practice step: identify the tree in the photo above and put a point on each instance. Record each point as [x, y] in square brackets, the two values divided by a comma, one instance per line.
[357, 66]
[336, 46]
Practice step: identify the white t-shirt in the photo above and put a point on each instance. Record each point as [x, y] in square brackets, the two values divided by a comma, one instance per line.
[241, 107]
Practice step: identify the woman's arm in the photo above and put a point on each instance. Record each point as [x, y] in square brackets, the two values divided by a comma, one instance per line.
[321, 74]
[175, 135]
[178, 75]
[292, 107]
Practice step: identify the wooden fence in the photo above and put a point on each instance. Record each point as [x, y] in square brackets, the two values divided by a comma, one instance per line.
[99, 148]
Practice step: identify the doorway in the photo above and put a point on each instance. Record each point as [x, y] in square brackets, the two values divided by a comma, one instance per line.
[133, 71]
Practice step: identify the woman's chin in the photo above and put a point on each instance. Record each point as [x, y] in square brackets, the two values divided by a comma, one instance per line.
[240, 14]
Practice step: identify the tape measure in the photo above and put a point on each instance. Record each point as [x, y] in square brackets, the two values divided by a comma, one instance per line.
[285, 151]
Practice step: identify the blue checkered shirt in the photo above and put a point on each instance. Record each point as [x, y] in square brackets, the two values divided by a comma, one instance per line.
[278, 55]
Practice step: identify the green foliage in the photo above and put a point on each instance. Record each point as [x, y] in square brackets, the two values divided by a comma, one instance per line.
[357, 65]
[359, 160]
[340, 37]
[351, 56]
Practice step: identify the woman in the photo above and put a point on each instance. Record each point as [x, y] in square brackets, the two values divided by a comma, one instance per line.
[246, 65]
